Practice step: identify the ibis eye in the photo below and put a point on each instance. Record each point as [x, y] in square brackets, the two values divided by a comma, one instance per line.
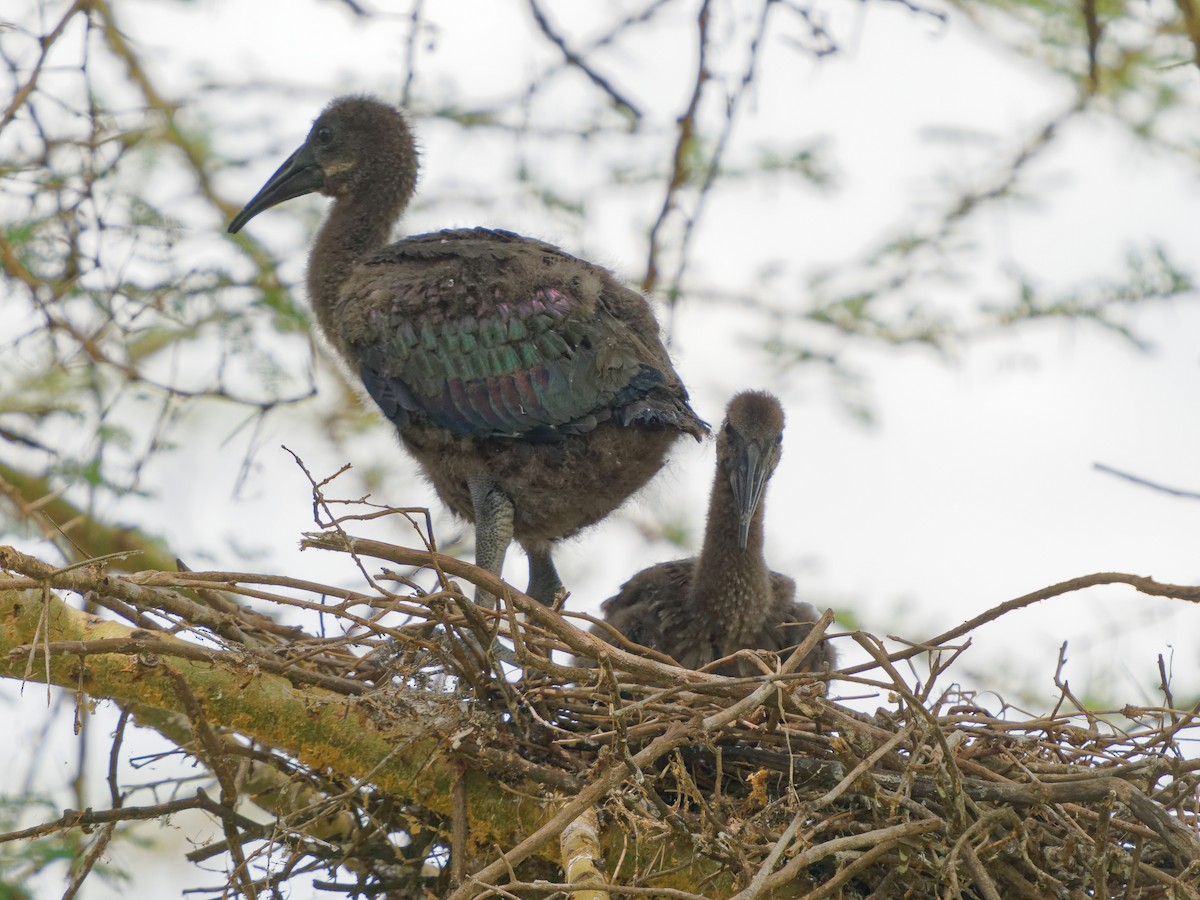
[325, 135]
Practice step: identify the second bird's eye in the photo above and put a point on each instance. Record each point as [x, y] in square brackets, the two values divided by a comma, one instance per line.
[324, 135]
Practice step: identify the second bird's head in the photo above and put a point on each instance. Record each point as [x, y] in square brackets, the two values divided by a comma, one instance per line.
[748, 449]
[358, 147]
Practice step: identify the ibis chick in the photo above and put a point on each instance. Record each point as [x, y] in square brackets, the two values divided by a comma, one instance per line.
[532, 388]
[708, 607]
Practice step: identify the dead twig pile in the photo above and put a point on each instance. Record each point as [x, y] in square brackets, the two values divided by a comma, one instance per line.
[401, 755]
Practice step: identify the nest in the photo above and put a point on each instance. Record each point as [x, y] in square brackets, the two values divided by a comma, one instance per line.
[507, 772]
[786, 793]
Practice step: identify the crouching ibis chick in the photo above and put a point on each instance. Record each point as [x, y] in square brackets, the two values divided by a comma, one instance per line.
[705, 608]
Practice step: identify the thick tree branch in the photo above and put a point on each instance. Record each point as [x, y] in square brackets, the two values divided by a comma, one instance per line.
[321, 729]
[92, 538]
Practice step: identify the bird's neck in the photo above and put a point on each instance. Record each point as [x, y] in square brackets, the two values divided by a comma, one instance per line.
[354, 228]
[732, 586]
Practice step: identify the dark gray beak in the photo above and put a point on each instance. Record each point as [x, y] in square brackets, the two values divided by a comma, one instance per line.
[749, 476]
[298, 176]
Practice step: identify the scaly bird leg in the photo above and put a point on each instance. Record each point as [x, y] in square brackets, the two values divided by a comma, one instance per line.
[493, 529]
[544, 583]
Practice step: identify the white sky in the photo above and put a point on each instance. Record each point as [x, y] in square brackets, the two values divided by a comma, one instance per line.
[975, 486]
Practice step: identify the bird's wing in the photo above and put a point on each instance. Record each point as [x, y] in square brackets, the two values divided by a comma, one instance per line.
[653, 605]
[790, 622]
[491, 334]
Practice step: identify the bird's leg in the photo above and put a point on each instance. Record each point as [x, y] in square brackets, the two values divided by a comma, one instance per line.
[493, 529]
[544, 582]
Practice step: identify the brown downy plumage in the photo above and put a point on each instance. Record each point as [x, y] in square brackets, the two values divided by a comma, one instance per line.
[705, 608]
[531, 386]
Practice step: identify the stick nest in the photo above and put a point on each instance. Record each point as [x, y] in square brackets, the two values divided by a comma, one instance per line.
[699, 785]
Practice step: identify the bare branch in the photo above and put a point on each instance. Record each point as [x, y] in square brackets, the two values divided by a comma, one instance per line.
[1153, 485]
[576, 60]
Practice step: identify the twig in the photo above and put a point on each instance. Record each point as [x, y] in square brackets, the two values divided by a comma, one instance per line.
[90, 817]
[732, 106]
[758, 883]
[876, 839]
[577, 640]
[1190, 593]
[1191, 20]
[574, 59]
[623, 890]
[686, 125]
[1092, 23]
[1174, 492]
[47, 42]
[214, 754]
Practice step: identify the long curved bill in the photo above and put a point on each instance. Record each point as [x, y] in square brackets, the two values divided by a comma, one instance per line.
[299, 175]
[749, 476]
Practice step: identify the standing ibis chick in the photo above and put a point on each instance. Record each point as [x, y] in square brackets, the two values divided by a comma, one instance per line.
[705, 608]
[532, 388]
